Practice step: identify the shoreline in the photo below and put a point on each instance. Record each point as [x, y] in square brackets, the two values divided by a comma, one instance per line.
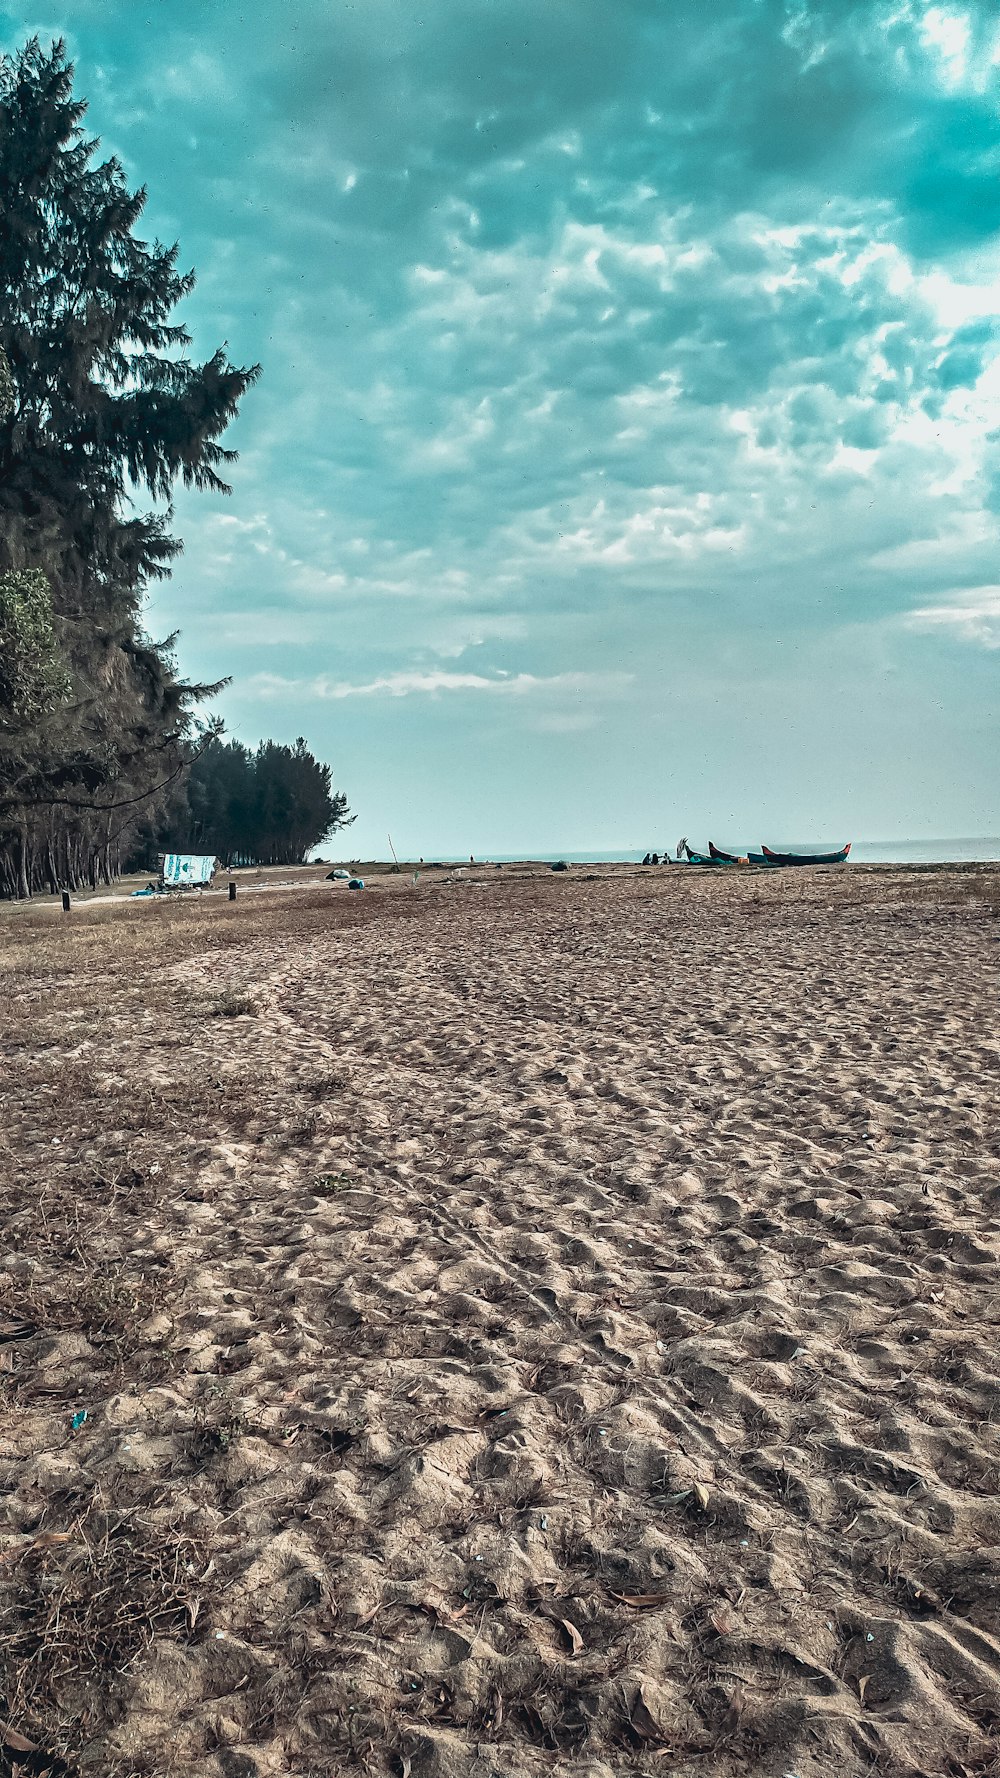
[382, 874]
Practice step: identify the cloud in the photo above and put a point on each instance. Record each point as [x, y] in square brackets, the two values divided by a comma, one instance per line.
[431, 682]
[623, 402]
[973, 614]
[601, 336]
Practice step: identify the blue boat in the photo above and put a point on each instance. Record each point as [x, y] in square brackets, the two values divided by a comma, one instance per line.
[705, 858]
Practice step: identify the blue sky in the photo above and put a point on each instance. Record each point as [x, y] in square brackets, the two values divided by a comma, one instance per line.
[626, 460]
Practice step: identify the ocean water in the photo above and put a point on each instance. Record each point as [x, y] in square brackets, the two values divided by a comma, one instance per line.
[970, 851]
[960, 851]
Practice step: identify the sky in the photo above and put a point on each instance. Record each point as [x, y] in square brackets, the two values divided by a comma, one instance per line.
[626, 456]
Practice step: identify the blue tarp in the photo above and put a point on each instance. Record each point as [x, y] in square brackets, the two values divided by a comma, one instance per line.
[186, 870]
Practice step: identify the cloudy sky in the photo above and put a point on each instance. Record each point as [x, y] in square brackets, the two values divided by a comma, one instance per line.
[626, 459]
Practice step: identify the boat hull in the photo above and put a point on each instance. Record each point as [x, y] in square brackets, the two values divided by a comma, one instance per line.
[792, 858]
[704, 858]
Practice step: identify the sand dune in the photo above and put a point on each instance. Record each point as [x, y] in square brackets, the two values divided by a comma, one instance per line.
[535, 1325]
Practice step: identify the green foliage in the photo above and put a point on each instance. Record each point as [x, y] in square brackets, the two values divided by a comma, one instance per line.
[267, 807]
[32, 677]
[104, 393]
[98, 396]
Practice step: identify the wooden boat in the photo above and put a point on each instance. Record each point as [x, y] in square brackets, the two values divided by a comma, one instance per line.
[721, 857]
[703, 858]
[806, 857]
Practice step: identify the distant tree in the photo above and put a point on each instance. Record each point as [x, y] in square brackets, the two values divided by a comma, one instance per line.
[296, 808]
[98, 397]
[214, 810]
[268, 807]
[221, 799]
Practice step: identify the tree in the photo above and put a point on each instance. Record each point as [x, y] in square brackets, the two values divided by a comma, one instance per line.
[295, 807]
[33, 678]
[98, 398]
[268, 807]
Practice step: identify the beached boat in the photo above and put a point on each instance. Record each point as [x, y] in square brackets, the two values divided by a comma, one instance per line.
[721, 857]
[805, 857]
[704, 858]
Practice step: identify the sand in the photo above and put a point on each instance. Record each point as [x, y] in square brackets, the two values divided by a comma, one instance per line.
[533, 1324]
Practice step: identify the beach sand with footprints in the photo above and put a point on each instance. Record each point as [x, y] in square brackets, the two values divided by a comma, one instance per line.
[533, 1323]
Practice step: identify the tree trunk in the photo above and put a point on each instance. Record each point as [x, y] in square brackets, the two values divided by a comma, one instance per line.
[23, 886]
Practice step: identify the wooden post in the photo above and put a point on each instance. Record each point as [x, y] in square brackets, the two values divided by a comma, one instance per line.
[232, 891]
[65, 896]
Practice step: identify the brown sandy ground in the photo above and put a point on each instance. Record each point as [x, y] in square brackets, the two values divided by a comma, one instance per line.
[541, 1324]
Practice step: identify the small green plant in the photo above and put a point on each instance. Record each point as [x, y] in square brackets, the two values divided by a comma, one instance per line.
[326, 1185]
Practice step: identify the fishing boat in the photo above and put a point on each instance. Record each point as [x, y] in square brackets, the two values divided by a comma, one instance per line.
[805, 857]
[703, 858]
[721, 857]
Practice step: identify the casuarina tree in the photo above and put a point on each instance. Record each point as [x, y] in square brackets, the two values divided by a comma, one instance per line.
[100, 398]
[267, 807]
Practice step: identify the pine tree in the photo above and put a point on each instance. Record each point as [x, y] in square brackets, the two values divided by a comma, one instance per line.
[98, 397]
[268, 807]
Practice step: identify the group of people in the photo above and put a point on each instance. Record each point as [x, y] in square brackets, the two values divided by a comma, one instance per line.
[655, 857]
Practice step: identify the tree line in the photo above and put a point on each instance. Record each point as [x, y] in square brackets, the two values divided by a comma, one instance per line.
[100, 403]
[270, 806]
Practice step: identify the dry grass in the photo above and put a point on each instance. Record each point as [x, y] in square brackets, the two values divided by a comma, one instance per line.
[97, 1299]
[79, 1607]
[91, 1160]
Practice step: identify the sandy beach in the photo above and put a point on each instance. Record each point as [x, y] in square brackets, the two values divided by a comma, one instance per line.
[530, 1323]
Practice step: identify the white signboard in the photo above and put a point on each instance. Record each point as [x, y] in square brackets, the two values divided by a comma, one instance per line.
[186, 870]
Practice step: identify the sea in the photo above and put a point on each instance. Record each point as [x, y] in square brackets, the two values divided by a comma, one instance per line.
[955, 851]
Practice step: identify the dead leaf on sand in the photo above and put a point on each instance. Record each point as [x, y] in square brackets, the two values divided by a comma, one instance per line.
[573, 1636]
[640, 1601]
[642, 1720]
[451, 1617]
[48, 1540]
[737, 1705]
[701, 1495]
[863, 1686]
[17, 1743]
